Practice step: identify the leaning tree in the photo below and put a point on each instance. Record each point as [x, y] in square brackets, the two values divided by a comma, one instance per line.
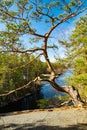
[36, 22]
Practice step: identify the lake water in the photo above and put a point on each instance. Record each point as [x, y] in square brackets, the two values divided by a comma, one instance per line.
[48, 91]
[29, 102]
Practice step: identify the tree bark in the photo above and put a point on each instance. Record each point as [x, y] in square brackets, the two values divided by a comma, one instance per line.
[71, 90]
[70, 14]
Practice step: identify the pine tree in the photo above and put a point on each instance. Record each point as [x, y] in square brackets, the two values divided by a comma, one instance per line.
[77, 56]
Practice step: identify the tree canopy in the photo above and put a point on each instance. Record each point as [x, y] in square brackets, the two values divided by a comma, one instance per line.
[35, 22]
[16, 70]
[77, 54]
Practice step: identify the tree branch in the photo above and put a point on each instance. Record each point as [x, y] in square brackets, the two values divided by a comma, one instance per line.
[22, 66]
[24, 51]
[80, 5]
[20, 88]
[71, 15]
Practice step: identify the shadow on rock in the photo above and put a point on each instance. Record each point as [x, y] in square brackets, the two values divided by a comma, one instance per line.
[42, 127]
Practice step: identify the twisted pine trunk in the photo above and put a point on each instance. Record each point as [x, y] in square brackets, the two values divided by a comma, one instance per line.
[71, 90]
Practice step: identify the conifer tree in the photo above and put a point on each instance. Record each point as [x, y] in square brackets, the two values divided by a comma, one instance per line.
[24, 18]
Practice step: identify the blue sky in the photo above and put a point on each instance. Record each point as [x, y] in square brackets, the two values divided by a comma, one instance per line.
[62, 32]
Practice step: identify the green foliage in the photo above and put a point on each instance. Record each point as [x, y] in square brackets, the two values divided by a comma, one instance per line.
[52, 102]
[63, 98]
[42, 103]
[53, 4]
[78, 52]
[15, 70]
[47, 103]
[22, 19]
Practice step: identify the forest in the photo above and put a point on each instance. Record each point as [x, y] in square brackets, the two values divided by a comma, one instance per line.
[29, 41]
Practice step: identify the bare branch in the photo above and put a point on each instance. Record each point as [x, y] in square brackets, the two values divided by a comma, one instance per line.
[22, 66]
[80, 5]
[20, 88]
[38, 35]
[24, 51]
[14, 17]
[81, 11]
[33, 33]
[71, 15]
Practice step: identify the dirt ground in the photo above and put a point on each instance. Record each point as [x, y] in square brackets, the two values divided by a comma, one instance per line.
[51, 119]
